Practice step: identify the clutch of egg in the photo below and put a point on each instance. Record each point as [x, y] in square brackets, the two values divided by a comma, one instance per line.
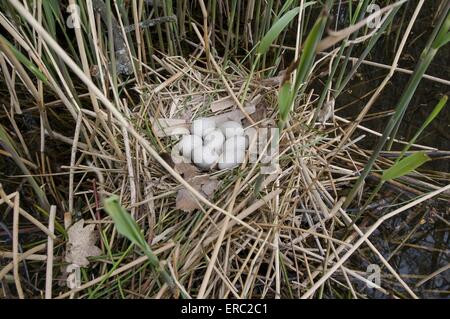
[210, 145]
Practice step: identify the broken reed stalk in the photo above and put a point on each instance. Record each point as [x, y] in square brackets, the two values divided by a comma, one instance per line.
[49, 271]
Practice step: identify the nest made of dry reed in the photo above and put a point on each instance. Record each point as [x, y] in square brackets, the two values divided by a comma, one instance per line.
[288, 217]
[274, 234]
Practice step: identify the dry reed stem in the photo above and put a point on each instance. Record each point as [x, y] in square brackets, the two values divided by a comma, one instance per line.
[113, 110]
[360, 241]
[15, 244]
[49, 271]
[116, 272]
[21, 257]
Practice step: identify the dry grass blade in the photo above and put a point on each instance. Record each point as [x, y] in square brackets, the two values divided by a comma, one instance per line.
[91, 118]
[49, 272]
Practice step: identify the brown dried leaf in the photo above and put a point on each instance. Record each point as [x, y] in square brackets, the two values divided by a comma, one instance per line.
[259, 114]
[210, 187]
[235, 115]
[186, 201]
[326, 112]
[187, 170]
[81, 244]
[204, 184]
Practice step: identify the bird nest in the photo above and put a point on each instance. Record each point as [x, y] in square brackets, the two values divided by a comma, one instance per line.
[268, 227]
[256, 230]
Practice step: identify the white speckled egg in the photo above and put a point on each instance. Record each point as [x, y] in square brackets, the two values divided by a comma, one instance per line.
[203, 126]
[236, 143]
[204, 157]
[187, 144]
[231, 128]
[215, 140]
[233, 152]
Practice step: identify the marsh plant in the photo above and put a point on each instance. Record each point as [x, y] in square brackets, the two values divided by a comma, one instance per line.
[320, 168]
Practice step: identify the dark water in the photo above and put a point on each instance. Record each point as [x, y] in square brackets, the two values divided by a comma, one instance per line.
[422, 229]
